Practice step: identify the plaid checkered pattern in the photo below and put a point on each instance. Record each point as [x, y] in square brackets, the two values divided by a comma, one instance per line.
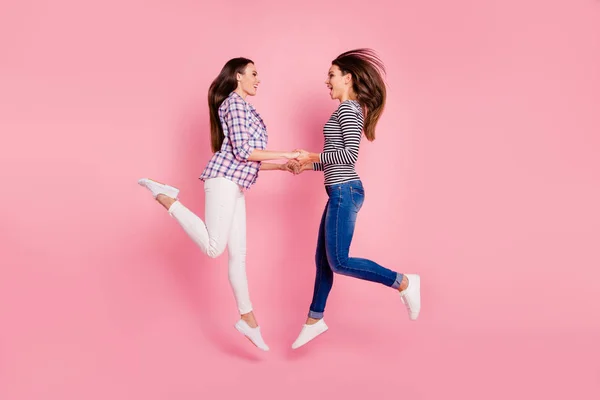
[244, 131]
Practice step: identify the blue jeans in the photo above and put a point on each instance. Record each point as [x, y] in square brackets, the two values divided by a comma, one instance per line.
[335, 236]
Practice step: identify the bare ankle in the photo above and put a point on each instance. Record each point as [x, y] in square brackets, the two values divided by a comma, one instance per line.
[403, 284]
[165, 200]
[311, 321]
[249, 319]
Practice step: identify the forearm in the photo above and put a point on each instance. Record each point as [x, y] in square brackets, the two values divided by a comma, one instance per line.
[266, 155]
[311, 158]
[314, 157]
[308, 167]
[310, 161]
[271, 167]
[345, 156]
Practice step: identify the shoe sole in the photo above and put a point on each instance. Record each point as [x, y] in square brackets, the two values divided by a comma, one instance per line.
[313, 338]
[250, 340]
[417, 281]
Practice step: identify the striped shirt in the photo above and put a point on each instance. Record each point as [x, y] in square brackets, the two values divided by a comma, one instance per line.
[342, 134]
[244, 131]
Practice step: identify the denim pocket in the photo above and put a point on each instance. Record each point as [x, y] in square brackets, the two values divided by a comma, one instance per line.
[358, 197]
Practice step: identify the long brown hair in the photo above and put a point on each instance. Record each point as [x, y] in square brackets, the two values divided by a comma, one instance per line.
[366, 69]
[219, 89]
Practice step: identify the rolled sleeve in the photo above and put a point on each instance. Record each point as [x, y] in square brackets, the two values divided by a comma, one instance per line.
[235, 119]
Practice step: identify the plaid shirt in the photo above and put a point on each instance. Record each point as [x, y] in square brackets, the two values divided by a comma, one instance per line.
[244, 131]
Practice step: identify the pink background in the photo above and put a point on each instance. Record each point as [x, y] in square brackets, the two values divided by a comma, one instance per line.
[485, 179]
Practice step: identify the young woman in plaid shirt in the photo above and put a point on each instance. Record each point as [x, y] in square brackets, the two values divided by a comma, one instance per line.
[239, 142]
[355, 80]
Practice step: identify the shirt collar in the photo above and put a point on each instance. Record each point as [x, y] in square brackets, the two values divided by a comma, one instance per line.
[234, 93]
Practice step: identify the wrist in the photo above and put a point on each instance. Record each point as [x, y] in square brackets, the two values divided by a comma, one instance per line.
[315, 157]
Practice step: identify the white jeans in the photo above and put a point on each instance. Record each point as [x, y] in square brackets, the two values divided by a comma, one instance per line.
[225, 215]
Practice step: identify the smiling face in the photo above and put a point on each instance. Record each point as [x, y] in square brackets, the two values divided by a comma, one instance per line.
[248, 81]
[339, 85]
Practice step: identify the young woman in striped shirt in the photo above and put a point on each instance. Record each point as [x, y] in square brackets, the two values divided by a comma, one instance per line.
[355, 80]
[239, 142]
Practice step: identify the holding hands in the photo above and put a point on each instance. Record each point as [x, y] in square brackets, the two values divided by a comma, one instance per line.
[293, 166]
[298, 160]
[303, 156]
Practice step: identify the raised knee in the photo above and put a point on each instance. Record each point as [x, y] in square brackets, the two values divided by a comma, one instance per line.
[214, 251]
[338, 266]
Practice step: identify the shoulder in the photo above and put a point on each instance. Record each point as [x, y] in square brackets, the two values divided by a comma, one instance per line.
[349, 108]
[233, 102]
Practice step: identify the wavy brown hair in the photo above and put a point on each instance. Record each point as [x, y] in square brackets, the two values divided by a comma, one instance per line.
[367, 72]
[219, 89]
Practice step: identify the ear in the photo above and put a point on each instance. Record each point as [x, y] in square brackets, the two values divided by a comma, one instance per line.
[238, 76]
[348, 78]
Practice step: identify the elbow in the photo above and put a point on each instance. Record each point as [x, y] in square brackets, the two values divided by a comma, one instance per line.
[241, 157]
[242, 153]
[352, 157]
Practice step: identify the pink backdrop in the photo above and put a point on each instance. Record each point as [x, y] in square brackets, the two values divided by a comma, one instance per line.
[484, 179]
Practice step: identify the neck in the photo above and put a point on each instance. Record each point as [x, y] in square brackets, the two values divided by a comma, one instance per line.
[348, 96]
[241, 93]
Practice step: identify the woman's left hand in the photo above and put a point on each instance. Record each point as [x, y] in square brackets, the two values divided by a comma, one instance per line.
[293, 166]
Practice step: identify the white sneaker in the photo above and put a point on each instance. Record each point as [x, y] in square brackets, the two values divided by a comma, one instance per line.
[251, 333]
[411, 296]
[309, 332]
[157, 188]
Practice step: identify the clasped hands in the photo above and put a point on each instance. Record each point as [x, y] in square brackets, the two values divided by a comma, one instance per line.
[297, 160]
